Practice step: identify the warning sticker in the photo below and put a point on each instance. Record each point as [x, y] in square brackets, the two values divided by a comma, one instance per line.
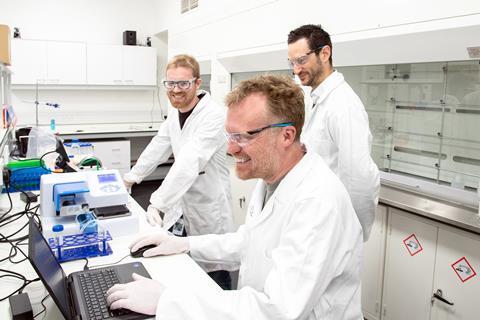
[463, 269]
[412, 244]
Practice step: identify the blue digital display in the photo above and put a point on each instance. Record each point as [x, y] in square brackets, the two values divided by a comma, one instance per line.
[110, 177]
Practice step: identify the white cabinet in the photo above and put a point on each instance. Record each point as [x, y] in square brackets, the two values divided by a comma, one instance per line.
[372, 268]
[241, 193]
[113, 154]
[409, 267]
[48, 62]
[459, 282]
[121, 65]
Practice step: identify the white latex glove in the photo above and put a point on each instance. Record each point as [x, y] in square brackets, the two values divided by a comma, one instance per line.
[165, 242]
[128, 184]
[153, 216]
[141, 295]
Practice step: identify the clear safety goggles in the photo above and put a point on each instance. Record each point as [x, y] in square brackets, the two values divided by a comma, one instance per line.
[180, 84]
[300, 61]
[244, 138]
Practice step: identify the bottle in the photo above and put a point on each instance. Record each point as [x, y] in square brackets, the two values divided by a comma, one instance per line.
[75, 150]
[52, 124]
[58, 236]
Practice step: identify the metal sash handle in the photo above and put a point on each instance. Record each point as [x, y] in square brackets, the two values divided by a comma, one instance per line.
[439, 295]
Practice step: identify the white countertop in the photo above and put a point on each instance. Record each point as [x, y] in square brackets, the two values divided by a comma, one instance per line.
[164, 268]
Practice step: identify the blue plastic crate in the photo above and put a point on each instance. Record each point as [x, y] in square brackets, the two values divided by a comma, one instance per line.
[25, 179]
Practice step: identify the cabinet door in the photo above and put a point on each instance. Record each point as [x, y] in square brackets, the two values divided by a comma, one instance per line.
[241, 193]
[373, 263]
[29, 61]
[113, 154]
[409, 267]
[66, 62]
[139, 66]
[104, 64]
[463, 252]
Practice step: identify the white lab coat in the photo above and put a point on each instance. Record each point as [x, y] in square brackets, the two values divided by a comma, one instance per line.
[337, 129]
[300, 256]
[197, 184]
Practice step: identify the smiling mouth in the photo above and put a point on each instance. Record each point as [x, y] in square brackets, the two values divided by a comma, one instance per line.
[241, 160]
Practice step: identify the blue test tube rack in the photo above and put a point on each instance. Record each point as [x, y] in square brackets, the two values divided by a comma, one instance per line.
[79, 246]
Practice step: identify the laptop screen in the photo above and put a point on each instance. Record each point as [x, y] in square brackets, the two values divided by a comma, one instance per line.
[48, 268]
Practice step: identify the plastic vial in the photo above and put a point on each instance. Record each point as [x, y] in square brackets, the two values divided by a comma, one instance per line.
[52, 124]
[102, 241]
[58, 231]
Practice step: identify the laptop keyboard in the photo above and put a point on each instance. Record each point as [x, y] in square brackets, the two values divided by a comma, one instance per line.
[94, 286]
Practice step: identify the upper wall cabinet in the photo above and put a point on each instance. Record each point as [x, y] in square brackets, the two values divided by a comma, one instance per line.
[121, 65]
[48, 62]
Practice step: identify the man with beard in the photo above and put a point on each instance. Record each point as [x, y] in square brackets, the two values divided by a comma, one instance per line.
[336, 126]
[300, 248]
[194, 198]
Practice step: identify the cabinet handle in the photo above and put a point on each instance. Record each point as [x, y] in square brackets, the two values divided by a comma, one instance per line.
[439, 295]
[242, 201]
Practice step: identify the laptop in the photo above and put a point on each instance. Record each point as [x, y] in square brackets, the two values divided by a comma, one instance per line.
[81, 295]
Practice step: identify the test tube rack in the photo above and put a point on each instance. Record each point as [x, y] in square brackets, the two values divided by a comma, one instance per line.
[79, 246]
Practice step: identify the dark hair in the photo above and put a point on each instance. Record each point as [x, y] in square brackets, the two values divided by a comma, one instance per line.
[315, 35]
[284, 98]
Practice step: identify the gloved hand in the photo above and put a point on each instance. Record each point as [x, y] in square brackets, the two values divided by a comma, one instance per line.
[128, 184]
[141, 295]
[153, 216]
[165, 242]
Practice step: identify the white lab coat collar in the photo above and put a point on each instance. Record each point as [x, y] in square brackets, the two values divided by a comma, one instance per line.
[327, 86]
[281, 196]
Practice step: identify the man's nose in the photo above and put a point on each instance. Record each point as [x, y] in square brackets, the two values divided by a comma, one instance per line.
[232, 147]
[296, 69]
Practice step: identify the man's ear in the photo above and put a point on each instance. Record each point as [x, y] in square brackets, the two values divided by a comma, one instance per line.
[289, 134]
[325, 53]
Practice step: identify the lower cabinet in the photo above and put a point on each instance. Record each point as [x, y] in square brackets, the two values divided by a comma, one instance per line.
[372, 268]
[456, 276]
[113, 154]
[430, 269]
[409, 267]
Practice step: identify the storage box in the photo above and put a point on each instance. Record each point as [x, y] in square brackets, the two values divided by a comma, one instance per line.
[5, 44]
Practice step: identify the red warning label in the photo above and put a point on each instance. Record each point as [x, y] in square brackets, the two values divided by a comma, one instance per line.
[412, 244]
[463, 269]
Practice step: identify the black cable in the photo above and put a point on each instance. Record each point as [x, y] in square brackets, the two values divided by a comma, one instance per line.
[44, 306]
[106, 264]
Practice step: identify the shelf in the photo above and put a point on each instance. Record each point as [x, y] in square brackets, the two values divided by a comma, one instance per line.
[83, 87]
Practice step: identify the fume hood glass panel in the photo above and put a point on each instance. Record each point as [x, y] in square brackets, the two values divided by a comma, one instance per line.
[206, 78]
[461, 136]
[424, 118]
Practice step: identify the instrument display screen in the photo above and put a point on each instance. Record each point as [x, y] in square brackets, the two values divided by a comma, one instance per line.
[104, 178]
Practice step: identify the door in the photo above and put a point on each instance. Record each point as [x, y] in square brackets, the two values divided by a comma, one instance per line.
[456, 275]
[409, 267]
[139, 66]
[29, 61]
[104, 64]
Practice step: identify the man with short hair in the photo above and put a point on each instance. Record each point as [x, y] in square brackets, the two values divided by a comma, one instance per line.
[195, 195]
[336, 126]
[299, 250]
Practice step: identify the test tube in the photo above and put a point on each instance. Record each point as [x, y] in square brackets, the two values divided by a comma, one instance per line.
[58, 231]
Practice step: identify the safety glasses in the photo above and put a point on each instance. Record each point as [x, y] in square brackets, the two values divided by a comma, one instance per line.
[180, 84]
[300, 61]
[244, 138]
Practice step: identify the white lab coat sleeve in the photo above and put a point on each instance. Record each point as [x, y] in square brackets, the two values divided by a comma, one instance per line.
[351, 133]
[226, 249]
[310, 255]
[190, 162]
[157, 151]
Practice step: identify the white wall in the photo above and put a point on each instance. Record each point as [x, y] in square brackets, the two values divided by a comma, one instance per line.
[251, 35]
[90, 21]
